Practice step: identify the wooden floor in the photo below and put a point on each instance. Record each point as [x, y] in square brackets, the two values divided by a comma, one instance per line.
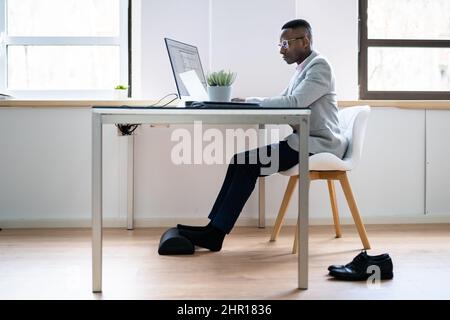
[56, 264]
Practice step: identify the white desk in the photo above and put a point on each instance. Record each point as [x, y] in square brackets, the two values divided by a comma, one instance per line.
[207, 116]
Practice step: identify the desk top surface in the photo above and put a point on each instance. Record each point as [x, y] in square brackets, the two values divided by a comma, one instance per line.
[67, 103]
[191, 111]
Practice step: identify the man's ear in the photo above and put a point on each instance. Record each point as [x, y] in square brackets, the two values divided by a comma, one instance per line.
[307, 42]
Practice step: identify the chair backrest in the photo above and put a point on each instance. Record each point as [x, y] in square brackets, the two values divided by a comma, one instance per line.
[353, 123]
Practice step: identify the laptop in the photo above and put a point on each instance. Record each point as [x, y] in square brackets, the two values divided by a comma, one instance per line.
[220, 105]
[190, 79]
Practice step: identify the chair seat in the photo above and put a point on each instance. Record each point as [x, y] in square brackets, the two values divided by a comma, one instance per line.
[323, 162]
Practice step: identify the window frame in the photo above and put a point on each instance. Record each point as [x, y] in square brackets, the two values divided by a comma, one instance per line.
[122, 41]
[363, 48]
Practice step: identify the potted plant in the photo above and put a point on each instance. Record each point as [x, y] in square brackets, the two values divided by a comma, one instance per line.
[219, 85]
[121, 92]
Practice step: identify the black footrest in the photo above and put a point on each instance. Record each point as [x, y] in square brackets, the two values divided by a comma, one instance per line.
[173, 243]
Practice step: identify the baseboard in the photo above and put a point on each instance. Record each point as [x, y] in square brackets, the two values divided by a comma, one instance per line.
[244, 221]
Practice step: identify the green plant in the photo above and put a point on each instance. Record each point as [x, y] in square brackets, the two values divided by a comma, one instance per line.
[121, 87]
[221, 78]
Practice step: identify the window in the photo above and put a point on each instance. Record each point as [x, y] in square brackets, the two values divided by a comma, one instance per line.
[63, 48]
[404, 50]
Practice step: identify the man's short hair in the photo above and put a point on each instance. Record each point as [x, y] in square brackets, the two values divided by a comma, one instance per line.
[299, 23]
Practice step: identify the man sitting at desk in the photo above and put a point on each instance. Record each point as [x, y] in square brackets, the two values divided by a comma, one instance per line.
[312, 86]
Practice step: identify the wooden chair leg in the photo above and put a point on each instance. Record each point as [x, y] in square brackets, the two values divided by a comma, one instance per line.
[334, 208]
[354, 209]
[283, 208]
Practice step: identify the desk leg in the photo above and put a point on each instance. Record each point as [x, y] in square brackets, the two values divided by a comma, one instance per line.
[303, 205]
[96, 203]
[262, 141]
[130, 183]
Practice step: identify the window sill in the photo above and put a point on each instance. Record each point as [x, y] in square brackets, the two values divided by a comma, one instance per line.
[61, 103]
[406, 104]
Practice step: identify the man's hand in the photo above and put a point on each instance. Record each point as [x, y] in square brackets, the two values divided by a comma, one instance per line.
[238, 100]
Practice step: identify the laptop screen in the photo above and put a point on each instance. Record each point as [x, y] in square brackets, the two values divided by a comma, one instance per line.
[183, 58]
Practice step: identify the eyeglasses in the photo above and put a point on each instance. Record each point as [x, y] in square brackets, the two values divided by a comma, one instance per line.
[284, 44]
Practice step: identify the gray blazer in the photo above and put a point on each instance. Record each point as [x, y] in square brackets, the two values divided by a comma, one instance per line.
[313, 87]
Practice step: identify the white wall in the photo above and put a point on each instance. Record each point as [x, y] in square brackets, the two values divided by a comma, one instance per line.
[186, 21]
[45, 154]
[45, 166]
[437, 168]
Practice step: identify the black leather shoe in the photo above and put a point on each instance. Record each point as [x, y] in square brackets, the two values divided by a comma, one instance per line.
[360, 268]
[340, 266]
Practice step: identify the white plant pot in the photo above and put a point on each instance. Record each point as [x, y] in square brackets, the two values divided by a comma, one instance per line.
[120, 94]
[220, 94]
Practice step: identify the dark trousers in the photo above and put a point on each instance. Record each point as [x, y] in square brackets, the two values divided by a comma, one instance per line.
[240, 180]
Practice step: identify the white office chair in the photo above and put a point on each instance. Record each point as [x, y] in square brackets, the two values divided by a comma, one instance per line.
[326, 166]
